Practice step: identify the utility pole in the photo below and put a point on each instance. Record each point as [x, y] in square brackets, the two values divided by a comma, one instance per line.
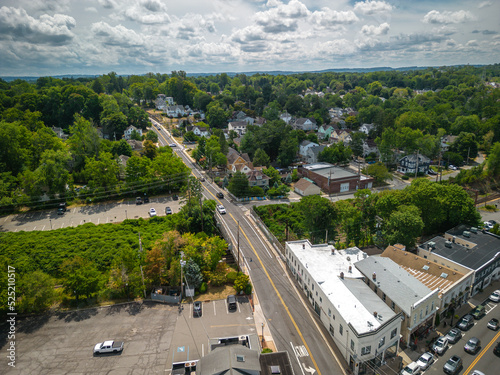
[201, 210]
[439, 163]
[142, 274]
[468, 152]
[326, 237]
[416, 166]
[238, 239]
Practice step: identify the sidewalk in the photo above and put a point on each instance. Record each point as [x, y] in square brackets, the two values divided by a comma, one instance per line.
[409, 355]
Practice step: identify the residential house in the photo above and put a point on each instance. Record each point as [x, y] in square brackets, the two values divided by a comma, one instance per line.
[464, 248]
[285, 116]
[200, 131]
[312, 153]
[410, 163]
[369, 147]
[363, 327]
[304, 145]
[345, 136]
[334, 135]
[332, 179]
[258, 178]
[176, 110]
[238, 162]
[325, 131]
[454, 286]
[366, 128]
[335, 112]
[59, 133]
[305, 124]
[259, 121]
[242, 116]
[447, 141]
[136, 145]
[162, 102]
[306, 187]
[239, 127]
[403, 293]
[128, 132]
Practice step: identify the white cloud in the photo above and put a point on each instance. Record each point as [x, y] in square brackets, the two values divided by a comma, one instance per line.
[472, 43]
[282, 18]
[446, 17]
[17, 25]
[327, 17]
[116, 35]
[372, 7]
[91, 9]
[108, 4]
[485, 4]
[382, 29]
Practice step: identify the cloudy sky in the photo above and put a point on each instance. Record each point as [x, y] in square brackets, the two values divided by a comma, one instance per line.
[50, 37]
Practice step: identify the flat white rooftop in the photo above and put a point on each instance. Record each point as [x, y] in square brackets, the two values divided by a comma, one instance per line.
[351, 297]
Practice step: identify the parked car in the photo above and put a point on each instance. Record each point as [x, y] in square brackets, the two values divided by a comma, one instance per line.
[454, 335]
[466, 322]
[453, 365]
[479, 312]
[219, 195]
[495, 296]
[440, 345]
[493, 324]
[146, 199]
[477, 372]
[152, 212]
[61, 209]
[175, 197]
[452, 167]
[425, 361]
[473, 345]
[197, 309]
[496, 349]
[412, 369]
[221, 209]
[487, 225]
[108, 347]
[138, 200]
[231, 302]
[168, 211]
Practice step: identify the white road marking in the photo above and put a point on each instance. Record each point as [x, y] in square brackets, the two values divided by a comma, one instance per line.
[297, 358]
[215, 313]
[264, 246]
[34, 227]
[43, 227]
[62, 225]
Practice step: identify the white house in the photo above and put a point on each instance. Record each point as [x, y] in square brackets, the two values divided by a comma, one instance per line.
[128, 132]
[200, 131]
[305, 124]
[369, 146]
[304, 145]
[366, 128]
[365, 330]
[239, 127]
[176, 110]
[285, 116]
[313, 152]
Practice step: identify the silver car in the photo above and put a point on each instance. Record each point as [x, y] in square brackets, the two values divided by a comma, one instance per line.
[440, 345]
[454, 335]
[425, 361]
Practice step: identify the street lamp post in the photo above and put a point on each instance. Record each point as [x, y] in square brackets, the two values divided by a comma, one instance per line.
[262, 335]
[183, 263]
[50, 224]
[126, 216]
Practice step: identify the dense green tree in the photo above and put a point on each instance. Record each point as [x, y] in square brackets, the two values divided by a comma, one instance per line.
[320, 216]
[493, 161]
[465, 145]
[216, 115]
[81, 277]
[53, 171]
[273, 174]
[152, 136]
[84, 141]
[261, 158]
[379, 172]
[356, 144]
[193, 274]
[36, 291]
[238, 185]
[121, 147]
[404, 226]
[336, 153]
[102, 171]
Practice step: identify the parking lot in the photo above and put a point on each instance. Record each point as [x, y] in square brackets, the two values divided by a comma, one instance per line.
[99, 213]
[153, 333]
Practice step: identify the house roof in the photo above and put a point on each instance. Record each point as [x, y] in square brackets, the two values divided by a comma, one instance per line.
[413, 158]
[329, 170]
[351, 297]
[305, 142]
[316, 149]
[123, 159]
[280, 359]
[224, 360]
[483, 247]
[136, 145]
[242, 124]
[253, 174]
[397, 283]
[303, 120]
[302, 184]
[370, 143]
[428, 273]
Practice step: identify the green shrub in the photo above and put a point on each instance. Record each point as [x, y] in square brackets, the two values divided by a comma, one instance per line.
[241, 282]
[231, 277]
[248, 289]
[266, 350]
[405, 177]
[203, 287]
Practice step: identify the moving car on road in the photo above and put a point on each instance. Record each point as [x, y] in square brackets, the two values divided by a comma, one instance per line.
[495, 296]
[493, 324]
[473, 345]
[221, 209]
[108, 347]
[152, 212]
[219, 195]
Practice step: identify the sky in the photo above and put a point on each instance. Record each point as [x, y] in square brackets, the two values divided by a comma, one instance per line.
[53, 37]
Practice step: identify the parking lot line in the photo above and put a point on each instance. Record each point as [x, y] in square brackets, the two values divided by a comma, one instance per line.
[34, 227]
[99, 219]
[62, 225]
[215, 313]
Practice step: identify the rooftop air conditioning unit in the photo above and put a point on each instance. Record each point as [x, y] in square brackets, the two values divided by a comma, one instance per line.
[447, 244]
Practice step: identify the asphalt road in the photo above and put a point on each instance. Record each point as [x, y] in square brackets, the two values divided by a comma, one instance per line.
[484, 360]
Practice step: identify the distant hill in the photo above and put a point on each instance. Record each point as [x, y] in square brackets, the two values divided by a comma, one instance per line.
[250, 73]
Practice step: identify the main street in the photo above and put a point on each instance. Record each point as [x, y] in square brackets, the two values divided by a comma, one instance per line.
[290, 321]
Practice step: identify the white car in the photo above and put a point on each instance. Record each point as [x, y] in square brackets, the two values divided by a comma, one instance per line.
[152, 212]
[452, 167]
[495, 296]
[221, 209]
[172, 145]
[412, 369]
[425, 361]
[488, 225]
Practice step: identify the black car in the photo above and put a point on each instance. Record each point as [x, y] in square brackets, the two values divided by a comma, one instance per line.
[453, 365]
[197, 310]
[138, 200]
[146, 199]
[175, 197]
[231, 303]
[496, 349]
[219, 195]
[61, 209]
[466, 322]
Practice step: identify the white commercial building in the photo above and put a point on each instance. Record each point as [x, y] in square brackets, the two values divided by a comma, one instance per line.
[364, 328]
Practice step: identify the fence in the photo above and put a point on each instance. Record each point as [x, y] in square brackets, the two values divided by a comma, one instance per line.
[270, 237]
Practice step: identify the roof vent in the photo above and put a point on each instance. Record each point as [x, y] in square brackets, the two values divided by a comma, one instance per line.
[303, 246]
[350, 268]
[240, 358]
[375, 314]
[431, 245]
[275, 369]
[426, 268]
[444, 275]
[374, 276]
[333, 251]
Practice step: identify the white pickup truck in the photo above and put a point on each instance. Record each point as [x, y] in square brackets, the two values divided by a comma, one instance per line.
[108, 347]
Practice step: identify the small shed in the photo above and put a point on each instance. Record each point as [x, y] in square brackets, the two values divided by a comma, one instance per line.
[306, 187]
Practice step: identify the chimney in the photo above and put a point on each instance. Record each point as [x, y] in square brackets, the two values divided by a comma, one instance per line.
[303, 246]
[375, 314]
[374, 276]
[350, 269]
[342, 275]
[333, 251]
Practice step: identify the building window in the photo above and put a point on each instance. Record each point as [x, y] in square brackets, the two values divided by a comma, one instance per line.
[312, 286]
[426, 310]
[421, 314]
[329, 312]
[381, 342]
[415, 319]
[375, 289]
[394, 333]
[333, 316]
[366, 350]
[393, 306]
[352, 345]
[341, 330]
[432, 306]
[332, 331]
[320, 300]
[383, 296]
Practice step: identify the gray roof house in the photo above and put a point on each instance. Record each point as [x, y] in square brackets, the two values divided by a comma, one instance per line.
[402, 292]
[304, 145]
[313, 152]
[464, 248]
[305, 124]
[233, 359]
[409, 164]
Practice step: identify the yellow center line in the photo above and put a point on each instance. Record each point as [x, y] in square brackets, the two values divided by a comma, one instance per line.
[280, 298]
[482, 353]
